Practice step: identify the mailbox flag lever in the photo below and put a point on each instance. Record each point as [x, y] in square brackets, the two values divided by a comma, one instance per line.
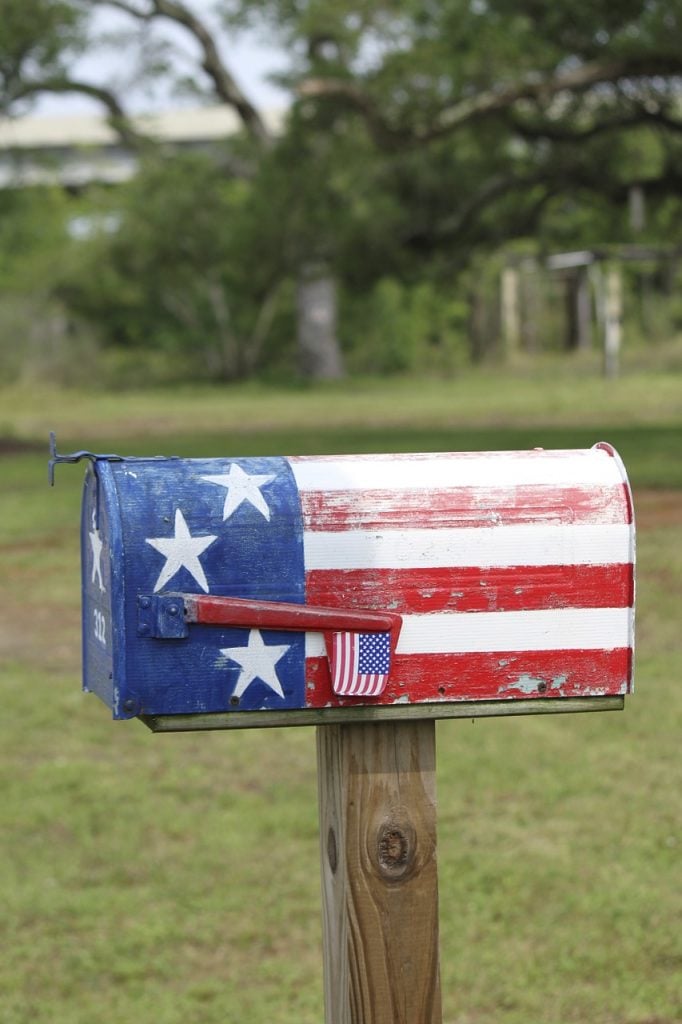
[359, 643]
[239, 611]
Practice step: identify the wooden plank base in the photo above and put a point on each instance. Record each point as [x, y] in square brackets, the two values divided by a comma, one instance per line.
[379, 874]
[378, 713]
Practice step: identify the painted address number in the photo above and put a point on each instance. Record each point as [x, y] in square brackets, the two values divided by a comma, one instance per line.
[100, 626]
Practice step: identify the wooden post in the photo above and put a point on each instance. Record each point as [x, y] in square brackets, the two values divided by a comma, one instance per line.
[510, 311]
[612, 323]
[379, 874]
[578, 308]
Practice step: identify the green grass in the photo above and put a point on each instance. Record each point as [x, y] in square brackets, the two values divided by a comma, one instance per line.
[640, 414]
[175, 878]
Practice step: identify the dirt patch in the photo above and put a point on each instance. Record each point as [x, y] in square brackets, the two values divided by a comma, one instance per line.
[42, 636]
[15, 446]
[658, 508]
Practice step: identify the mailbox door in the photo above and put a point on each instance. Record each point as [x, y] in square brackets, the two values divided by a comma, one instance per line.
[199, 526]
[102, 586]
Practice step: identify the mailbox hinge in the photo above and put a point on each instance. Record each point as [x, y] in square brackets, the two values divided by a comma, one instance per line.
[161, 616]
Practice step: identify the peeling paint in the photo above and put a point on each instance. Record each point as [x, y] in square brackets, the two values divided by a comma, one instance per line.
[402, 700]
[528, 684]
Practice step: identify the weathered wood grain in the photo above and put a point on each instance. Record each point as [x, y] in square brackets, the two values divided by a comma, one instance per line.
[379, 873]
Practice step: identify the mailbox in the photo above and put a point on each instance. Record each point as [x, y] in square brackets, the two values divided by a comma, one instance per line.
[242, 591]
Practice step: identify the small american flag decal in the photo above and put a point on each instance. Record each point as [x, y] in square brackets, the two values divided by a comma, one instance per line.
[360, 663]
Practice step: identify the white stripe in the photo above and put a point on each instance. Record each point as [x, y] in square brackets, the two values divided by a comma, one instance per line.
[572, 629]
[594, 467]
[566, 629]
[516, 544]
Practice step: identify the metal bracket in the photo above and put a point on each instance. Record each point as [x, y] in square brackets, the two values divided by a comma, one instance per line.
[55, 457]
[161, 616]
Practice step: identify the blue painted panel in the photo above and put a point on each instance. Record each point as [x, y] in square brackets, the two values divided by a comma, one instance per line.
[224, 527]
[97, 532]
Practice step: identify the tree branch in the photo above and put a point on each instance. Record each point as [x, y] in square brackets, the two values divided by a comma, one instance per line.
[492, 189]
[554, 132]
[225, 86]
[535, 87]
[117, 117]
[385, 136]
[131, 9]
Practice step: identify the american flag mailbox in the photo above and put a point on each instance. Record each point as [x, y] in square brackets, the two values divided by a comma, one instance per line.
[231, 592]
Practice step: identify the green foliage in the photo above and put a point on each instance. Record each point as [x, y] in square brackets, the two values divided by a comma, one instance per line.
[38, 337]
[179, 270]
[38, 39]
[422, 137]
[33, 232]
[398, 328]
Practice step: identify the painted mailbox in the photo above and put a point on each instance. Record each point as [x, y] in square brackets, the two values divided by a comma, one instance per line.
[242, 591]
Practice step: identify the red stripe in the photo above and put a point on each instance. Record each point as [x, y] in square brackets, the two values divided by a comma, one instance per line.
[474, 589]
[501, 675]
[344, 677]
[463, 507]
[370, 684]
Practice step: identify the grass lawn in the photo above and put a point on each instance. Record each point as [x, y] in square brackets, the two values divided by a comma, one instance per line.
[169, 879]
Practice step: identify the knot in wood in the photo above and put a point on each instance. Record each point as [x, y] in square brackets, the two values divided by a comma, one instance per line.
[332, 851]
[396, 850]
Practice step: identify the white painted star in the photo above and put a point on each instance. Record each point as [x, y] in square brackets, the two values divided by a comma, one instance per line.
[257, 661]
[242, 487]
[181, 552]
[96, 543]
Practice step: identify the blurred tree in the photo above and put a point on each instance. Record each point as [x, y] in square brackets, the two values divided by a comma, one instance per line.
[44, 38]
[484, 111]
[182, 271]
[421, 132]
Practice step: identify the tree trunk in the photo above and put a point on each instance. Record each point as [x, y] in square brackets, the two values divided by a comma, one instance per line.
[578, 310]
[318, 345]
